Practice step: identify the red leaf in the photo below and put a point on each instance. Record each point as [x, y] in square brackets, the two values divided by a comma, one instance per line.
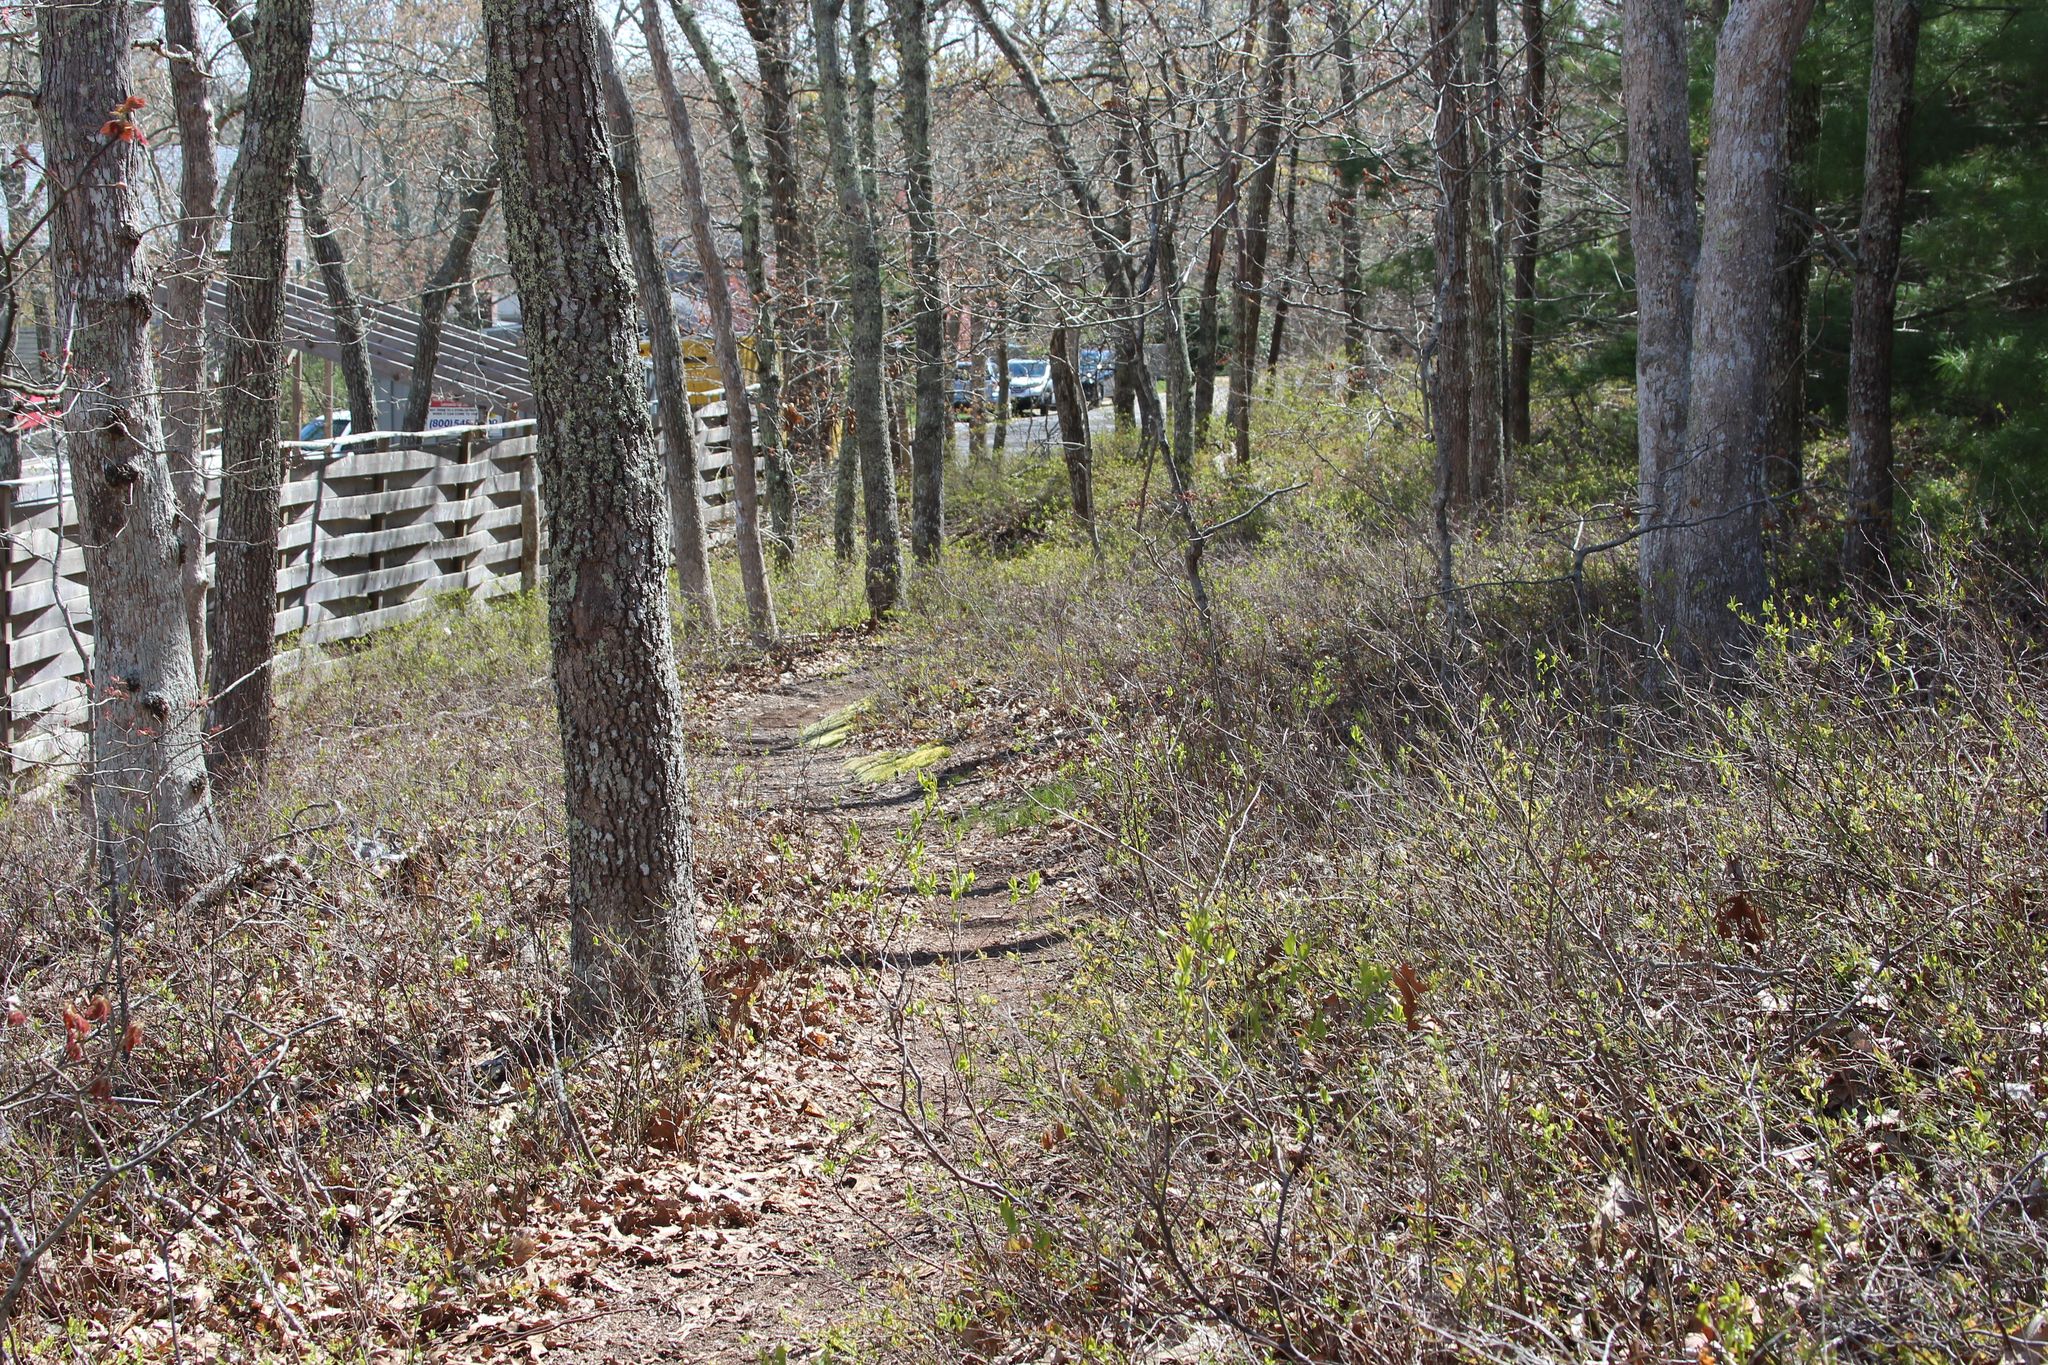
[1409, 984]
[131, 1037]
[97, 1009]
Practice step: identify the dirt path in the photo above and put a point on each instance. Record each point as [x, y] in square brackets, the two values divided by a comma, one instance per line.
[783, 1215]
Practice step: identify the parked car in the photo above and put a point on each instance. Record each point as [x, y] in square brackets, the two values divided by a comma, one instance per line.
[963, 386]
[318, 428]
[1030, 386]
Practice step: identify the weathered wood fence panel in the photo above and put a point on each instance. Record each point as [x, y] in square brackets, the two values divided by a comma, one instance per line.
[376, 529]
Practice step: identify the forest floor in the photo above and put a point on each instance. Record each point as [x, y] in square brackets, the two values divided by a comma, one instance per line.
[812, 1164]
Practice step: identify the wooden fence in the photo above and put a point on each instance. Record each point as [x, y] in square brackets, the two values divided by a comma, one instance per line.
[375, 529]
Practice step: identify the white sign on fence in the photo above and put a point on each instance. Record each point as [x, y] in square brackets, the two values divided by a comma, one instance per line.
[442, 415]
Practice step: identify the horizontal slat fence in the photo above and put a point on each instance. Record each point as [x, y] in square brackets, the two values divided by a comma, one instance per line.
[376, 529]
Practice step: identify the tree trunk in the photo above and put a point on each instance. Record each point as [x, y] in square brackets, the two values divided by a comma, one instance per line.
[1716, 493]
[780, 487]
[245, 605]
[809, 387]
[1208, 308]
[1350, 174]
[725, 349]
[1110, 249]
[1448, 373]
[688, 539]
[846, 488]
[911, 19]
[1792, 253]
[1665, 234]
[184, 326]
[632, 928]
[977, 387]
[1488, 462]
[1000, 437]
[441, 286]
[1252, 239]
[344, 305]
[150, 799]
[1065, 349]
[1894, 54]
[1525, 215]
[1277, 285]
[857, 207]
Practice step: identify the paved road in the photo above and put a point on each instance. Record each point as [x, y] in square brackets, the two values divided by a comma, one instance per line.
[1035, 434]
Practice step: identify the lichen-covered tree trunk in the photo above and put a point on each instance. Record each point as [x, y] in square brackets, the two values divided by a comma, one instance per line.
[243, 627]
[184, 327]
[689, 542]
[779, 488]
[448, 276]
[1716, 493]
[1253, 235]
[1895, 48]
[864, 384]
[1665, 235]
[150, 798]
[1350, 174]
[632, 930]
[911, 20]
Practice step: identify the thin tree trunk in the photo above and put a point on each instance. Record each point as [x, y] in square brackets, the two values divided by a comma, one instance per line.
[632, 927]
[1664, 232]
[857, 207]
[184, 327]
[245, 605]
[977, 387]
[1110, 249]
[1000, 437]
[725, 348]
[689, 541]
[1252, 240]
[779, 487]
[1792, 250]
[1488, 462]
[1065, 351]
[846, 487]
[1717, 494]
[911, 19]
[1208, 305]
[1895, 50]
[151, 803]
[1277, 285]
[344, 305]
[1448, 353]
[1525, 214]
[1350, 174]
[441, 286]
